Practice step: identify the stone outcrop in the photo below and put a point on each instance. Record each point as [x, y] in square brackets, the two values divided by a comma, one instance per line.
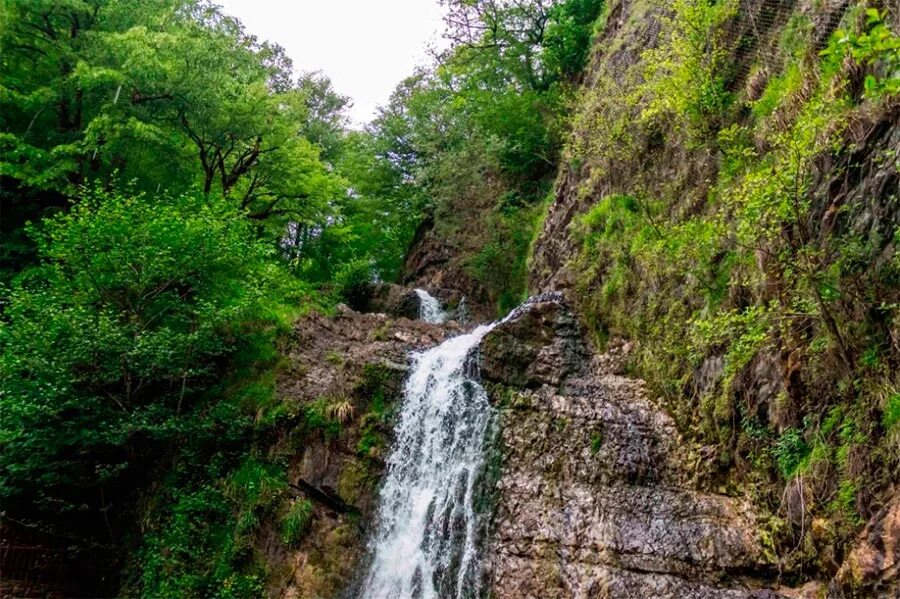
[595, 496]
[397, 301]
[874, 561]
[351, 365]
[393, 300]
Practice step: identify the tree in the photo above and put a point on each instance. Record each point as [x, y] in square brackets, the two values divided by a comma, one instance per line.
[171, 93]
[326, 118]
[107, 347]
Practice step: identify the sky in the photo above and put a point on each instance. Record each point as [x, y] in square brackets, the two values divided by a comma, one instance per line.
[366, 47]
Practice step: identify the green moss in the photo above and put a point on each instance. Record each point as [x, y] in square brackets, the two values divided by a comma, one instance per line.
[334, 357]
[382, 332]
[845, 501]
[376, 389]
[487, 494]
[354, 478]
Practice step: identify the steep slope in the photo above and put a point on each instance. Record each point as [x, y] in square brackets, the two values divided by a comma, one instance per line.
[345, 373]
[730, 203]
[596, 496]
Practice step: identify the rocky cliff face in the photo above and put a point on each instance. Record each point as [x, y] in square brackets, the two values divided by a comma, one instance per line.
[646, 239]
[596, 495]
[755, 458]
[660, 161]
[600, 496]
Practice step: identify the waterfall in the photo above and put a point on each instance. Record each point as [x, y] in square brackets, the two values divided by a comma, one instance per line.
[428, 527]
[430, 308]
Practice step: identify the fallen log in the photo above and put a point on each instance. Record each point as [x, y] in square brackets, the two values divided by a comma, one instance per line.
[325, 496]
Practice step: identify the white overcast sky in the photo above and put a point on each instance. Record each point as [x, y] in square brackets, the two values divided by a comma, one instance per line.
[366, 47]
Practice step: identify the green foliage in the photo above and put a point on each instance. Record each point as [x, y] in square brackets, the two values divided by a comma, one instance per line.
[175, 95]
[758, 300]
[352, 281]
[501, 264]
[846, 499]
[108, 344]
[377, 418]
[197, 553]
[744, 333]
[609, 233]
[295, 523]
[891, 417]
[877, 47]
[255, 485]
[778, 90]
[319, 416]
[686, 76]
[480, 133]
[791, 452]
[169, 92]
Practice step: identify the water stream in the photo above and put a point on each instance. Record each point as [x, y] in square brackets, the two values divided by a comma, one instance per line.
[428, 528]
[430, 308]
[430, 523]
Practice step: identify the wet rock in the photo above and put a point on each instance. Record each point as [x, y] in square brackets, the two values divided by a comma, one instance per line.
[398, 301]
[595, 497]
[346, 360]
[541, 345]
[874, 562]
[393, 300]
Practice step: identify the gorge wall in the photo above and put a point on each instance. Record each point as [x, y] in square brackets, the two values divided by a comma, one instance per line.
[597, 495]
[728, 203]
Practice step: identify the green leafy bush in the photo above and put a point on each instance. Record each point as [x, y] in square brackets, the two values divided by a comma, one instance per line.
[791, 451]
[878, 47]
[196, 551]
[109, 345]
[686, 77]
[352, 282]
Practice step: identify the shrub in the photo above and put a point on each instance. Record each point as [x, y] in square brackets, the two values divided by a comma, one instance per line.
[352, 282]
[790, 452]
[296, 522]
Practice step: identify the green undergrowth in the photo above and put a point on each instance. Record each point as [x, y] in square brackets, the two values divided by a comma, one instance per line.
[296, 522]
[759, 272]
[202, 522]
[500, 266]
[200, 519]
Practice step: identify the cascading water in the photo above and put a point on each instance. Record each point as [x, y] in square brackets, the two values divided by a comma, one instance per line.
[430, 308]
[426, 543]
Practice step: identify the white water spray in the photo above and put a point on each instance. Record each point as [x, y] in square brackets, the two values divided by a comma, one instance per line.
[428, 527]
[430, 308]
